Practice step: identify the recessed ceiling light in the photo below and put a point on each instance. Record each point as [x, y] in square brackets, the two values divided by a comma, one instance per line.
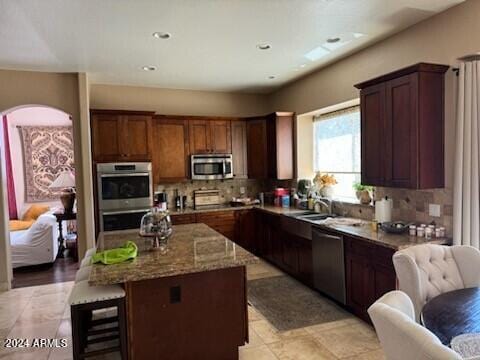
[271, 77]
[333, 40]
[149, 68]
[303, 65]
[161, 35]
[264, 46]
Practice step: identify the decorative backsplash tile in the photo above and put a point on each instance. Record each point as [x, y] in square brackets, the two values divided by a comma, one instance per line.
[408, 205]
[228, 189]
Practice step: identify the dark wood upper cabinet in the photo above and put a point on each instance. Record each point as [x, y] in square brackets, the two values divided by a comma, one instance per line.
[137, 139]
[239, 149]
[270, 146]
[199, 136]
[210, 136]
[170, 150]
[106, 132]
[121, 135]
[257, 148]
[372, 101]
[221, 140]
[281, 146]
[402, 117]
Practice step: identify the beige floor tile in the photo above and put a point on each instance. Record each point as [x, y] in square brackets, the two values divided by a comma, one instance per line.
[303, 348]
[32, 314]
[66, 312]
[46, 329]
[64, 329]
[262, 270]
[332, 325]
[351, 340]
[49, 300]
[25, 354]
[255, 339]
[373, 355]
[61, 353]
[63, 288]
[3, 334]
[9, 317]
[256, 353]
[269, 334]
[253, 314]
[17, 294]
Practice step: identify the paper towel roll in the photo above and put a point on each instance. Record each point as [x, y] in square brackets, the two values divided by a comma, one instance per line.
[383, 210]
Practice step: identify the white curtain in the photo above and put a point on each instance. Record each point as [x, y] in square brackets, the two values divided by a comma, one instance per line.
[466, 214]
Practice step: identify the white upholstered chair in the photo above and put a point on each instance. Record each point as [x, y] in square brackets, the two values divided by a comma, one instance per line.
[426, 271]
[400, 336]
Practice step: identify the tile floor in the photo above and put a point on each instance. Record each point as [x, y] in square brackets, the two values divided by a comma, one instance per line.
[42, 311]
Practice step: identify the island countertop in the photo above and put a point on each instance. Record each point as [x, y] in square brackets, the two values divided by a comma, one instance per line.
[192, 248]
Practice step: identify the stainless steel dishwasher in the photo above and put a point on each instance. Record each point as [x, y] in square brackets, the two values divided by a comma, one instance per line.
[328, 264]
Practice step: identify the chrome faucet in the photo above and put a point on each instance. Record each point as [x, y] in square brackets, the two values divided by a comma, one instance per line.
[326, 202]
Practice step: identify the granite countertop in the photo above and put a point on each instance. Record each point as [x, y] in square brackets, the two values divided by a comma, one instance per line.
[223, 207]
[192, 248]
[364, 231]
[393, 241]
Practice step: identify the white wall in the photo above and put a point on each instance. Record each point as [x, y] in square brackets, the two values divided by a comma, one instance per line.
[30, 116]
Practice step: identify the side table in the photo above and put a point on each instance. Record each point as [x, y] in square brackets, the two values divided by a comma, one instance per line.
[61, 241]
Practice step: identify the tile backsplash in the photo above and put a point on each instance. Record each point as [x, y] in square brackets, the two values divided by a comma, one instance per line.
[413, 205]
[228, 189]
[408, 205]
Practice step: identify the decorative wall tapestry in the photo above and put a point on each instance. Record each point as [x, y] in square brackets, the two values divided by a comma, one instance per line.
[47, 152]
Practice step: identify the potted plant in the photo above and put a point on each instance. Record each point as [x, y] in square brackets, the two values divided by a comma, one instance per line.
[363, 193]
[324, 183]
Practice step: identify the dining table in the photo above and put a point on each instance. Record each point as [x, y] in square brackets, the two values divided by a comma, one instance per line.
[452, 314]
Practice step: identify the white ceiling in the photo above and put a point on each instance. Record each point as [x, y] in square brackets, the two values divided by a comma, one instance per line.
[213, 43]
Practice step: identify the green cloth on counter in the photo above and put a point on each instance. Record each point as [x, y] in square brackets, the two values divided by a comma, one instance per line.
[118, 255]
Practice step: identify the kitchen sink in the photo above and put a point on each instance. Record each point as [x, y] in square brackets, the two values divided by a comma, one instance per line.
[315, 216]
[301, 214]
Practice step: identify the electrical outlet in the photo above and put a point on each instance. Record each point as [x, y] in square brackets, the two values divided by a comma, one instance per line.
[242, 190]
[434, 210]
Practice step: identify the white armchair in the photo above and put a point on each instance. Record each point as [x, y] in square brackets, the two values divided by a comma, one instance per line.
[426, 271]
[400, 336]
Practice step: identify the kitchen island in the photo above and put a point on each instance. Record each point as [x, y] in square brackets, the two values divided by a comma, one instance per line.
[189, 303]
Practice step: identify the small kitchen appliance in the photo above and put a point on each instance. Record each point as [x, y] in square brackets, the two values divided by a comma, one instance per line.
[211, 166]
[206, 198]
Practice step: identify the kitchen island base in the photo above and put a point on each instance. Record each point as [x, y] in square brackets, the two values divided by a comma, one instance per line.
[193, 316]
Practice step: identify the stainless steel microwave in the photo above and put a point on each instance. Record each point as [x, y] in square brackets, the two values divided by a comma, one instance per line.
[211, 166]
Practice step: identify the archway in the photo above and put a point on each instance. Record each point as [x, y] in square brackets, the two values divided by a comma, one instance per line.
[30, 187]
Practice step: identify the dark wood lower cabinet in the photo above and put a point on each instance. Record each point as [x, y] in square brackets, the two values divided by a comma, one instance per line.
[305, 261]
[369, 274]
[176, 318]
[245, 229]
[182, 219]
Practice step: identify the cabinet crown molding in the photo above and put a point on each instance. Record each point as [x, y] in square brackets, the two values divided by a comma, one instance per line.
[420, 67]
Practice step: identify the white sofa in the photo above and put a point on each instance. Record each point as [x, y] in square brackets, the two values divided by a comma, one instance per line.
[426, 271]
[37, 245]
[400, 336]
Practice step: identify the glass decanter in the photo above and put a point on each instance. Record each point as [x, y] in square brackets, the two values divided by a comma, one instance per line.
[156, 224]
